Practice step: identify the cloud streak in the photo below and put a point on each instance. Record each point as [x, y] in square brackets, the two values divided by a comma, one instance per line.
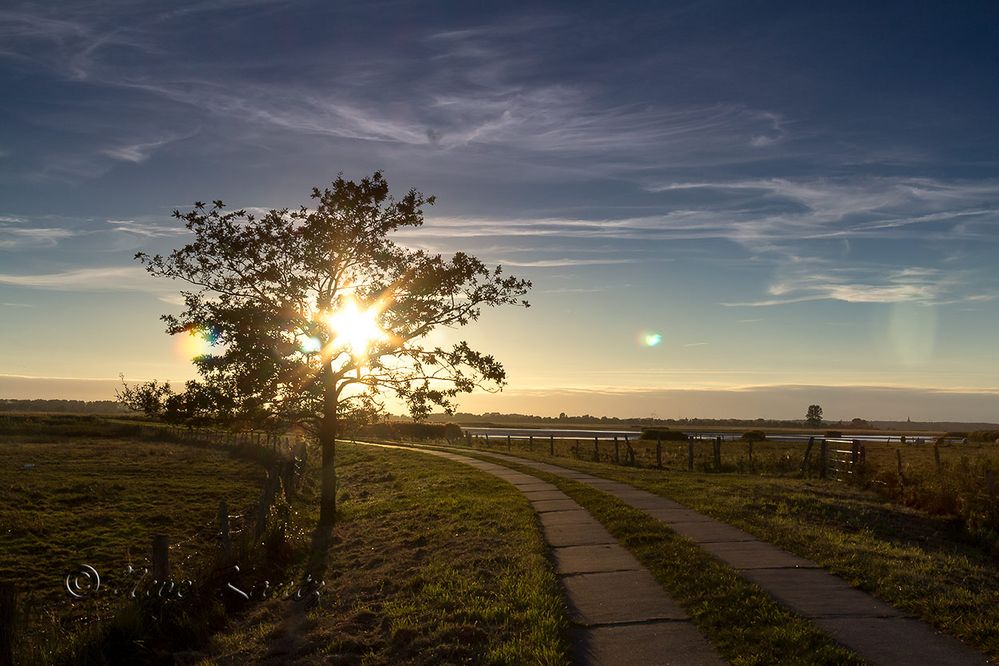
[112, 278]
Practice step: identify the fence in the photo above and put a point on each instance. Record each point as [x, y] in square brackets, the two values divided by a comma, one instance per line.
[842, 459]
[694, 452]
[279, 442]
[283, 474]
[834, 458]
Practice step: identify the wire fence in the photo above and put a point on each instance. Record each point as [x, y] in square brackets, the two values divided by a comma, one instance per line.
[88, 600]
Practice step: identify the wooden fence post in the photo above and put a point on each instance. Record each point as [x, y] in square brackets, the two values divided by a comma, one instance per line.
[717, 454]
[530, 443]
[596, 450]
[752, 466]
[631, 452]
[659, 452]
[266, 499]
[509, 444]
[823, 459]
[901, 474]
[808, 454]
[690, 454]
[161, 557]
[225, 541]
[617, 451]
[8, 618]
[936, 454]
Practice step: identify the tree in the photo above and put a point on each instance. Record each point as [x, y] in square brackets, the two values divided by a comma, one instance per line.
[813, 416]
[315, 314]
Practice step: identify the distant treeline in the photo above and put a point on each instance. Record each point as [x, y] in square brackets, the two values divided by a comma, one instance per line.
[497, 419]
[64, 406]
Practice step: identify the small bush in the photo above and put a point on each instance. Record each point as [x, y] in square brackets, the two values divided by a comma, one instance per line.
[754, 436]
[834, 434]
[412, 431]
[984, 435]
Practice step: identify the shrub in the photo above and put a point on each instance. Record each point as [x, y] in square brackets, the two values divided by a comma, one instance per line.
[754, 436]
[984, 435]
[834, 434]
[412, 431]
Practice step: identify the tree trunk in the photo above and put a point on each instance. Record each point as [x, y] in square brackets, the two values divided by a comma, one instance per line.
[327, 444]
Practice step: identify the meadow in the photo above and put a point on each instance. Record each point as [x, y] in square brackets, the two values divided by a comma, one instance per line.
[78, 491]
[431, 561]
[954, 478]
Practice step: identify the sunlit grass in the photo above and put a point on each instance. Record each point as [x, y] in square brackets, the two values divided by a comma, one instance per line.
[433, 562]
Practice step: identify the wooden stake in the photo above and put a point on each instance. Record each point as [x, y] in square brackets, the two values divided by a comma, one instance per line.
[8, 618]
[161, 557]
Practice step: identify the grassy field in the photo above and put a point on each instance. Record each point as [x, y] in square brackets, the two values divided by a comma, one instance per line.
[433, 562]
[924, 564]
[74, 492]
[71, 501]
[953, 479]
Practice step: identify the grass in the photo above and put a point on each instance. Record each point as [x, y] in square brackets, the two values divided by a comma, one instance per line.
[71, 502]
[923, 564]
[73, 492]
[432, 562]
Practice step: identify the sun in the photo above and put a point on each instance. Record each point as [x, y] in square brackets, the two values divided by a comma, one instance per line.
[355, 328]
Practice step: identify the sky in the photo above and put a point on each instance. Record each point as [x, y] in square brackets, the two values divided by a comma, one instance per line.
[800, 200]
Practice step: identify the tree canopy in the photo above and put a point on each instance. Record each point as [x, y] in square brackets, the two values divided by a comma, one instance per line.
[315, 313]
[814, 415]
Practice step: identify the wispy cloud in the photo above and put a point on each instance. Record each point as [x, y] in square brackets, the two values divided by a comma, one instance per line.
[140, 151]
[125, 278]
[18, 237]
[560, 263]
[859, 284]
[149, 229]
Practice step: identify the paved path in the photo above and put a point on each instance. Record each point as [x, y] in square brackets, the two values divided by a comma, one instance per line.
[874, 630]
[620, 614]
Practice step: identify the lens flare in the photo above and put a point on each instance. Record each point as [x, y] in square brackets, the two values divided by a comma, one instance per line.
[651, 339]
[311, 345]
[195, 342]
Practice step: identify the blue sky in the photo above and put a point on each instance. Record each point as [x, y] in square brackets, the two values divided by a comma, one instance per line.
[790, 195]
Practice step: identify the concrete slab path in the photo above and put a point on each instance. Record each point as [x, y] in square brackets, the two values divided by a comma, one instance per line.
[877, 632]
[619, 612]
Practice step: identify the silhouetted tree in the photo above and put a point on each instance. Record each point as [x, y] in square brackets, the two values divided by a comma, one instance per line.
[813, 416]
[316, 313]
